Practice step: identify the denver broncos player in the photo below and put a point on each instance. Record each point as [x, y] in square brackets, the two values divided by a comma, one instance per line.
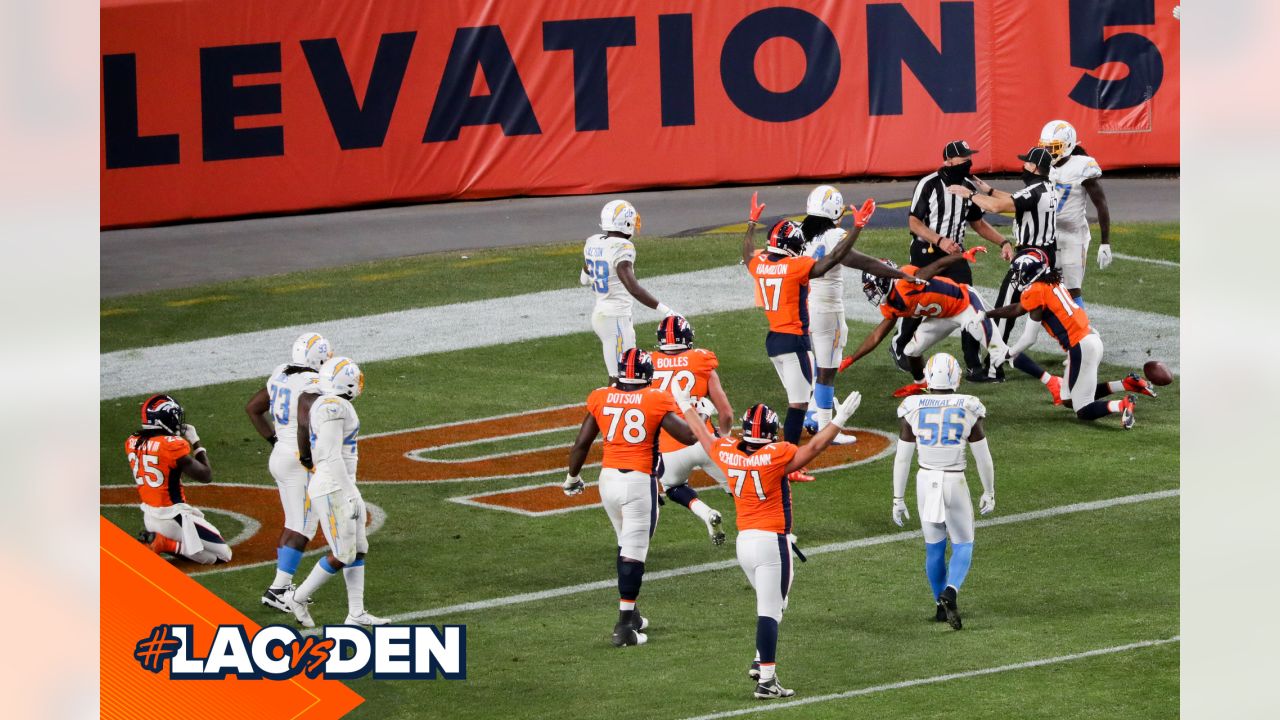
[630, 416]
[1048, 301]
[678, 364]
[781, 274]
[163, 450]
[944, 304]
[758, 467]
[274, 412]
[608, 266]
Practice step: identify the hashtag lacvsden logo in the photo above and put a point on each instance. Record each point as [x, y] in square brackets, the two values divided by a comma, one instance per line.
[279, 652]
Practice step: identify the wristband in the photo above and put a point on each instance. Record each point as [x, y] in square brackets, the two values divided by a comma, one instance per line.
[662, 308]
[272, 440]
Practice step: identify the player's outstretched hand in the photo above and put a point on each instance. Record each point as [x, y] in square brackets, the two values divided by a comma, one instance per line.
[863, 214]
[573, 485]
[683, 401]
[1007, 252]
[987, 503]
[998, 353]
[972, 253]
[981, 184]
[1104, 256]
[847, 408]
[190, 435]
[900, 511]
[756, 208]
[845, 363]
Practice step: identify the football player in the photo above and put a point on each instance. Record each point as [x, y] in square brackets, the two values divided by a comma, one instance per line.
[944, 304]
[1046, 299]
[608, 266]
[630, 417]
[828, 331]
[678, 364]
[334, 496]
[781, 274]
[163, 450]
[942, 423]
[1074, 174]
[274, 412]
[758, 468]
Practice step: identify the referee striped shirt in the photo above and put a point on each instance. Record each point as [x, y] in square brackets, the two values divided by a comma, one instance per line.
[945, 213]
[1035, 209]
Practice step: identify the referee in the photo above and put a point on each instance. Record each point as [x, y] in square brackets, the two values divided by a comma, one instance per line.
[1035, 227]
[937, 222]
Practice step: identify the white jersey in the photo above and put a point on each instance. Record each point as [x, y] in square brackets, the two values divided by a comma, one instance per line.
[941, 424]
[1067, 180]
[826, 293]
[334, 427]
[285, 390]
[602, 255]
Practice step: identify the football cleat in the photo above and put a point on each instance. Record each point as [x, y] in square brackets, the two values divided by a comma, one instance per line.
[800, 476]
[980, 375]
[910, 389]
[714, 530]
[940, 614]
[810, 423]
[1126, 412]
[366, 620]
[300, 611]
[1055, 388]
[274, 597]
[844, 439]
[625, 634]
[638, 621]
[771, 690]
[1136, 384]
[753, 672]
[948, 602]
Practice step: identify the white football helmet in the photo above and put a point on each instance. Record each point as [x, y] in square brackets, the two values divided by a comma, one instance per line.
[1059, 138]
[825, 201]
[341, 375]
[311, 350]
[942, 372]
[620, 216]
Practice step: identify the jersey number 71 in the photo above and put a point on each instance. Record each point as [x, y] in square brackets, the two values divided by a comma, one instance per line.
[739, 478]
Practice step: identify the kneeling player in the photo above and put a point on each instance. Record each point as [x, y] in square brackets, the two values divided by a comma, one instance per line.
[677, 364]
[163, 450]
[1048, 301]
[757, 467]
[941, 423]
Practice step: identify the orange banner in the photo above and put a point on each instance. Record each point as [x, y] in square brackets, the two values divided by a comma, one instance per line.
[215, 108]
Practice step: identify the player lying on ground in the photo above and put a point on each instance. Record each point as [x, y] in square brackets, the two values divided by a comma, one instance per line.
[277, 415]
[941, 423]
[944, 304]
[758, 467]
[631, 415]
[1046, 299]
[334, 495]
[163, 450]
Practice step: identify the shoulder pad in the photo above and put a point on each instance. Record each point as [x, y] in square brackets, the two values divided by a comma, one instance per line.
[975, 406]
[903, 410]
[330, 408]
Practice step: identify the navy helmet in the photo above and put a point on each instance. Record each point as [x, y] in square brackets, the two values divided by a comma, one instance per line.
[786, 238]
[675, 333]
[1029, 267]
[877, 288]
[161, 412]
[635, 367]
[760, 425]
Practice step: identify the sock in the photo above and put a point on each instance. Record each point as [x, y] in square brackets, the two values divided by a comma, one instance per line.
[626, 605]
[1030, 367]
[630, 576]
[353, 576]
[1114, 386]
[1079, 301]
[701, 509]
[683, 494]
[162, 544]
[768, 671]
[287, 560]
[958, 568]
[1098, 409]
[935, 566]
[1045, 377]
[766, 642]
[824, 396]
[320, 574]
[793, 425]
[823, 417]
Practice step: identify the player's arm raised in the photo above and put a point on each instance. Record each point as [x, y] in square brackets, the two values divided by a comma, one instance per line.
[256, 409]
[937, 266]
[304, 429]
[720, 400]
[812, 449]
[692, 421]
[989, 203]
[627, 274]
[587, 434]
[877, 336]
[749, 237]
[902, 471]
[195, 464]
[861, 216]
[861, 261]
[986, 467]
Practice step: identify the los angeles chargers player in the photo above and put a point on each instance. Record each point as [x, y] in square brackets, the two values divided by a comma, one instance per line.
[608, 266]
[1074, 174]
[275, 413]
[942, 423]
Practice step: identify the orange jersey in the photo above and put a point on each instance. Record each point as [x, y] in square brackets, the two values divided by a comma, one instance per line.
[691, 371]
[941, 297]
[782, 289]
[1066, 321]
[759, 483]
[630, 420]
[154, 462]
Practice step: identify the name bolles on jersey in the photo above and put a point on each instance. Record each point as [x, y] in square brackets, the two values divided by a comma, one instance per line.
[280, 652]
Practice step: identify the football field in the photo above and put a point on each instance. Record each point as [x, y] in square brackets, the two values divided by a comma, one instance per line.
[476, 364]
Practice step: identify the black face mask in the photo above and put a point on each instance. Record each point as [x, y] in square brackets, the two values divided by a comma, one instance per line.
[1030, 178]
[956, 173]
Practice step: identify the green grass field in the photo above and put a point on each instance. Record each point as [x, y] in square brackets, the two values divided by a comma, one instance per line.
[1039, 588]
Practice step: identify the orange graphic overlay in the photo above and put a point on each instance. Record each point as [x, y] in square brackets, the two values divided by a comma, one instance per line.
[139, 591]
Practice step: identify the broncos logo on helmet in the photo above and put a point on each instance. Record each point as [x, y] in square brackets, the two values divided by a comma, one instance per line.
[877, 288]
[760, 425]
[635, 367]
[786, 238]
[675, 333]
[161, 412]
[1029, 267]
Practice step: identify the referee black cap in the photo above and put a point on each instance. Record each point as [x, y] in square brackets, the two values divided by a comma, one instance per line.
[957, 148]
[1039, 157]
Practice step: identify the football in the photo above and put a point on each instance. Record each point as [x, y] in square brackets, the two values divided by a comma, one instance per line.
[1157, 372]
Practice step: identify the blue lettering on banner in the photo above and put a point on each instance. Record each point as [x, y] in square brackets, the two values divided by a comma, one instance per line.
[359, 124]
[1091, 48]
[821, 72]
[222, 101]
[507, 103]
[589, 41]
[124, 147]
[948, 74]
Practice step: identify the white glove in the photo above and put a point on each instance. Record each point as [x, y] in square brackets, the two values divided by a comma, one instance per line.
[682, 397]
[1177, 12]
[847, 408]
[998, 354]
[573, 485]
[1104, 256]
[979, 317]
[900, 511]
[190, 435]
[987, 503]
[706, 408]
[662, 308]
[583, 278]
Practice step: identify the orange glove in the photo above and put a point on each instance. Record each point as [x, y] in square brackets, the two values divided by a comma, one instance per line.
[863, 214]
[756, 208]
[845, 363]
[972, 253]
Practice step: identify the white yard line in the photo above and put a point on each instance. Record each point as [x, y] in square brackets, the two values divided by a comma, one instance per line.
[1132, 336]
[536, 596]
[1152, 261]
[940, 679]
